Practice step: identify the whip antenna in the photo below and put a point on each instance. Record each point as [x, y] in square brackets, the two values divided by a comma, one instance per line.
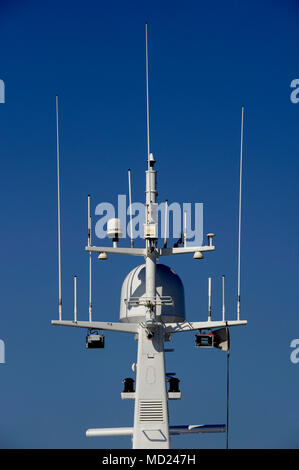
[75, 299]
[209, 299]
[165, 222]
[147, 99]
[130, 204]
[223, 298]
[240, 214]
[58, 213]
[185, 229]
[89, 244]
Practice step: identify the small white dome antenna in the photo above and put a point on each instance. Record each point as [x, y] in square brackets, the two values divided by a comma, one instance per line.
[114, 230]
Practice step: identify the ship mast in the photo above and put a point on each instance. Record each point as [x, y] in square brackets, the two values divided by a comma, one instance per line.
[150, 325]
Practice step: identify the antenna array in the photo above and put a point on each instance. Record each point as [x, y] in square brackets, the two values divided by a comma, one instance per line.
[147, 316]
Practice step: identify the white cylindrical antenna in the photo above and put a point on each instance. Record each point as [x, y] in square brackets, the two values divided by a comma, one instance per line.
[240, 214]
[89, 244]
[185, 229]
[165, 226]
[90, 302]
[130, 203]
[210, 298]
[58, 214]
[88, 220]
[147, 99]
[223, 298]
[75, 298]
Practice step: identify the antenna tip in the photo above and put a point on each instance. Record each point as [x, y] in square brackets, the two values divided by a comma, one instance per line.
[129, 169]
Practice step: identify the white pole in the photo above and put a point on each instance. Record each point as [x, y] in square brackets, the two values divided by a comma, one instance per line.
[147, 99]
[75, 299]
[58, 214]
[130, 203]
[166, 217]
[223, 298]
[88, 220]
[185, 229]
[89, 244]
[240, 213]
[209, 298]
[90, 302]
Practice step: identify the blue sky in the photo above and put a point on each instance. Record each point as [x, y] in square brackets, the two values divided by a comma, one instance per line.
[206, 60]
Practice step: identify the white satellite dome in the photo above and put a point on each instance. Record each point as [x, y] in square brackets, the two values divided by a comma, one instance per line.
[168, 283]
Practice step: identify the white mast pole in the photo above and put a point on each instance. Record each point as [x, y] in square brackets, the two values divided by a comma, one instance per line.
[153, 430]
[58, 214]
[90, 270]
[130, 203]
[147, 100]
[240, 214]
[75, 299]
[223, 298]
[210, 298]
[150, 260]
[166, 217]
[185, 229]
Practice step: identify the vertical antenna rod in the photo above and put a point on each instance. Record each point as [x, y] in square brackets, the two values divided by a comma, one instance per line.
[75, 298]
[58, 214]
[88, 221]
[240, 214]
[185, 229]
[130, 203]
[209, 296]
[223, 298]
[165, 228]
[147, 99]
[89, 244]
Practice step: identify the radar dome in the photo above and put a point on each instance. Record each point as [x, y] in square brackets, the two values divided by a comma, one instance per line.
[168, 283]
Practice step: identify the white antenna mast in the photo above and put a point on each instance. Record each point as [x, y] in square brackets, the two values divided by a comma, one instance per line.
[240, 214]
[223, 298]
[166, 218]
[209, 298]
[130, 203]
[75, 299]
[90, 271]
[147, 100]
[58, 214]
[185, 229]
